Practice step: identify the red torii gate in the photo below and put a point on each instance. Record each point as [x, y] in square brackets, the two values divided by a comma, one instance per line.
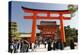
[35, 16]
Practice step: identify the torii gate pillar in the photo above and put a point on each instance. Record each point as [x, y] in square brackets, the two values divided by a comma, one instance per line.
[62, 31]
[33, 35]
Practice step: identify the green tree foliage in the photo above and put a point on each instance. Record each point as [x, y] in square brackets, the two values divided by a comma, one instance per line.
[72, 8]
[71, 33]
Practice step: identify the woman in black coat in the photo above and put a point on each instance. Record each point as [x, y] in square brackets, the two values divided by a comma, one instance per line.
[54, 45]
[71, 44]
[49, 45]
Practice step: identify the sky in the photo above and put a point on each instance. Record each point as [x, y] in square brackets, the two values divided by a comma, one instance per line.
[25, 25]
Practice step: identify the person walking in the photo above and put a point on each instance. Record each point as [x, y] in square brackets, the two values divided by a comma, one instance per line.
[45, 43]
[54, 45]
[21, 46]
[15, 46]
[49, 45]
[72, 44]
[11, 47]
[60, 44]
[38, 43]
[25, 46]
[33, 47]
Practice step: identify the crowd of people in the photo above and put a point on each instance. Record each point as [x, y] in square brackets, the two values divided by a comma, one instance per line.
[24, 46]
[55, 45]
[58, 44]
[19, 46]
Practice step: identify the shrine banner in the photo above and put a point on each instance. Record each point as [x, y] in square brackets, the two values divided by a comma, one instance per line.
[42, 27]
